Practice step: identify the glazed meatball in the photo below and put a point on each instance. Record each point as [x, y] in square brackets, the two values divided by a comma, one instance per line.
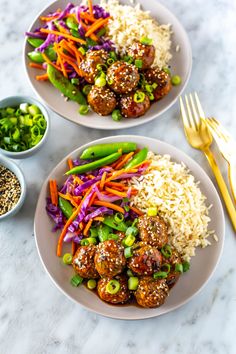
[88, 66]
[151, 292]
[122, 77]
[109, 258]
[83, 262]
[162, 79]
[121, 296]
[173, 276]
[153, 230]
[131, 109]
[102, 100]
[143, 52]
[145, 260]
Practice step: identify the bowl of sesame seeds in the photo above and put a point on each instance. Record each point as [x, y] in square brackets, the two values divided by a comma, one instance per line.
[12, 188]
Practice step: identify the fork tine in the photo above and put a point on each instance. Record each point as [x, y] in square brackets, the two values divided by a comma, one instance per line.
[221, 129]
[199, 107]
[216, 129]
[195, 114]
[190, 116]
[183, 113]
[218, 138]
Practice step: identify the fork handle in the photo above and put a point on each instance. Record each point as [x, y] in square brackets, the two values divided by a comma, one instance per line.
[222, 186]
[232, 179]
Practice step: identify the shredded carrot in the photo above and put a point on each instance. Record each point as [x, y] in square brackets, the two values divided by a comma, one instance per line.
[109, 205]
[78, 180]
[68, 197]
[55, 192]
[96, 25]
[73, 248]
[104, 175]
[70, 164]
[87, 227]
[49, 18]
[92, 199]
[148, 162]
[98, 218]
[117, 185]
[90, 176]
[57, 33]
[86, 16]
[36, 66]
[119, 173]
[136, 210]
[90, 6]
[81, 225]
[65, 44]
[51, 190]
[43, 77]
[115, 192]
[50, 62]
[124, 160]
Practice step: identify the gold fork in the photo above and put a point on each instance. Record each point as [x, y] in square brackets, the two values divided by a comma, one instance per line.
[227, 148]
[199, 137]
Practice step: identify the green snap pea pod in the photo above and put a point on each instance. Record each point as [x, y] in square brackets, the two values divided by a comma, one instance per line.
[65, 206]
[38, 58]
[103, 232]
[35, 42]
[102, 150]
[138, 158]
[65, 86]
[95, 164]
[70, 22]
[110, 221]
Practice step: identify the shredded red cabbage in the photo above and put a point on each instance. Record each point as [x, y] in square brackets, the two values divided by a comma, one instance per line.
[99, 211]
[106, 198]
[66, 11]
[78, 190]
[99, 12]
[56, 214]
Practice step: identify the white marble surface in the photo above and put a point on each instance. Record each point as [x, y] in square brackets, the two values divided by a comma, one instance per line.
[35, 318]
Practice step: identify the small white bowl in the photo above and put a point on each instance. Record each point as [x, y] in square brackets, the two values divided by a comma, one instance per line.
[19, 174]
[14, 101]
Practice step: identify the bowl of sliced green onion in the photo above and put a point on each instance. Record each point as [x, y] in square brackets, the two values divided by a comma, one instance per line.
[24, 126]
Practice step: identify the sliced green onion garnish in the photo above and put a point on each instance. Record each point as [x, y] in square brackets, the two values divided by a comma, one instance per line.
[145, 40]
[129, 240]
[33, 109]
[82, 50]
[139, 96]
[110, 61]
[101, 67]
[166, 267]
[100, 81]
[87, 89]
[75, 81]
[138, 63]
[91, 284]
[76, 280]
[186, 266]
[126, 207]
[135, 222]
[116, 115]
[132, 230]
[83, 110]
[176, 80]
[113, 55]
[133, 283]
[130, 273]
[149, 88]
[179, 268]
[10, 110]
[154, 85]
[166, 251]
[88, 240]
[128, 59]
[160, 275]
[151, 96]
[113, 287]
[152, 211]
[67, 258]
[24, 107]
[110, 81]
[118, 218]
[128, 252]
[167, 70]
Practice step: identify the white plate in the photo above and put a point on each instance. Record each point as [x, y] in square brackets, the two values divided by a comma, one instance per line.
[202, 265]
[181, 64]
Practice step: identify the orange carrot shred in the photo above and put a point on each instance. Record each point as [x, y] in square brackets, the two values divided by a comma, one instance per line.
[115, 192]
[70, 164]
[136, 210]
[124, 160]
[96, 25]
[43, 77]
[51, 190]
[92, 199]
[55, 192]
[50, 62]
[104, 175]
[90, 6]
[109, 205]
[36, 66]
[73, 248]
[87, 227]
[98, 218]
[57, 33]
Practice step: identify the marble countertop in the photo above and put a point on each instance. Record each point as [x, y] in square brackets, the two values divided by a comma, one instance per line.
[35, 317]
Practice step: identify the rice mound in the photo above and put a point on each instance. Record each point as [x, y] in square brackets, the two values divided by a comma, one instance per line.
[170, 187]
[129, 24]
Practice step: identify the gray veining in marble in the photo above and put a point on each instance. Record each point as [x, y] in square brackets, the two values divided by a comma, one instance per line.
[35, 318]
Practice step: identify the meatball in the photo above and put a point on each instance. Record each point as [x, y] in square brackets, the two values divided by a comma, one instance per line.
[153, 230]
[109, 258]
[162, 79]
[121, 296]
[88, 66]
[102, 100]
[173, 276]
[145, 260]
[122, 77]
[143, 52]
[132, 109]
[83, 262]
[151, 292]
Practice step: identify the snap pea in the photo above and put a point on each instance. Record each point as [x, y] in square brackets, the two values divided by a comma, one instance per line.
[110, 221]
[35, 42]
[70, 22]
[138, 158]
[102, 150]
[103, 232]
[95, 164]
[38, 58]
[66, 207]
[64, 85]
